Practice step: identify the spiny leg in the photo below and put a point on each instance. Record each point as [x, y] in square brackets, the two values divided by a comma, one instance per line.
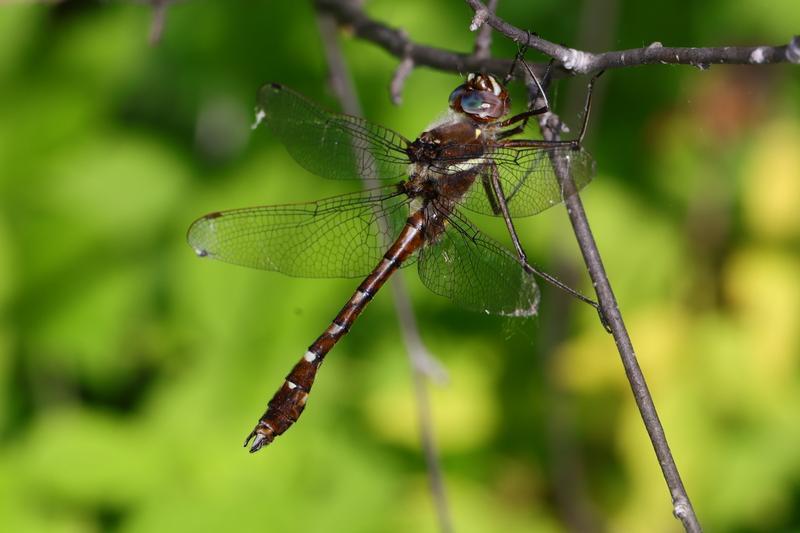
[488, 188]
[587, 107]
[524, 116]
[516, 118]
[499, 197]
[518, 57]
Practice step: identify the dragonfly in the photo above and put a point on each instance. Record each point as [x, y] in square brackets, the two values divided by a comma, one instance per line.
[467, 162]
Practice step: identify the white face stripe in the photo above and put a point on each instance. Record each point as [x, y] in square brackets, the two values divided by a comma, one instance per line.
[496, 87]
[310, 356]
[291, 385]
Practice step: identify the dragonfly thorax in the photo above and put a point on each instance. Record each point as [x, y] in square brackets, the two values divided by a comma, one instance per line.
[451, 139]
[426, 149]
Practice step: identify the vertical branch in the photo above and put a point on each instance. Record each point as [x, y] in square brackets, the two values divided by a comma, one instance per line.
[423, 365]
[682, 506]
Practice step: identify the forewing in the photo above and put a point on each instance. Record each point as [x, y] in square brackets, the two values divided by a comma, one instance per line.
[340, 236]
[529, 180]
[328, 144]
[477, 272]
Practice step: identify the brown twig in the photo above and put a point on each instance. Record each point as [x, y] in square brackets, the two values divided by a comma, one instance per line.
[401, 74]
[396, 42]
[550, 126]
[582, 62]
[483, 42]
[571, 60]
[422, 363]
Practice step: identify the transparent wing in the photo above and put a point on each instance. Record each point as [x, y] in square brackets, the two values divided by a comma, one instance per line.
[334, 237]
[530, 183]
[477, 272]
[329, 144]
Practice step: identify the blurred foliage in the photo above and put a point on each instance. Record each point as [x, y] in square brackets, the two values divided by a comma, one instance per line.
[130, 371]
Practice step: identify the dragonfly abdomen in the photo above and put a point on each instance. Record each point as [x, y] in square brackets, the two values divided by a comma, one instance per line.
[288, 403]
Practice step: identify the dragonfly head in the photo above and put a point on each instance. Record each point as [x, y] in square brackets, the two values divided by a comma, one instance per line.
[482, 98]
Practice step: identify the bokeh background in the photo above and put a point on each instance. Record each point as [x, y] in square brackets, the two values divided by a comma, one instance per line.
[130, 370]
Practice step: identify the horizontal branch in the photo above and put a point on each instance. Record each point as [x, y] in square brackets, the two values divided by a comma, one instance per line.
[395, 41]
[581, 62]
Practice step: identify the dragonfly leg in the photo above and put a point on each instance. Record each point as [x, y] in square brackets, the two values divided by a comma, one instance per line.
[497, 190]
[486, 181]
[517, 118]
[519, 57]
[494, 203]
[587, 107]
[540, 85]
[525, 115]
[499, 197]
[575, 143]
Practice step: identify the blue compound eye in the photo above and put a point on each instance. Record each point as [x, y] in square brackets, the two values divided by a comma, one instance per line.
[478, 104]
[456, 94]
[474, 102]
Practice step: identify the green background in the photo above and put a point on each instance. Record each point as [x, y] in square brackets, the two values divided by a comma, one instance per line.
[130, 371]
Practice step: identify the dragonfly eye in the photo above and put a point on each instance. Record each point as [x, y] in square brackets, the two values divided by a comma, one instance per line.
[456, 95]
[482, 105]
[481, 97]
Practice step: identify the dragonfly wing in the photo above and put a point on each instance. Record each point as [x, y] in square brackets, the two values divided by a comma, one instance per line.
[477, 272]
[342, 236]
[328, 144]
[529, 179]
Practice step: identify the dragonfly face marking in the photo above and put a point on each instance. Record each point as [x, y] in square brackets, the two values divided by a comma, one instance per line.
[446, 171]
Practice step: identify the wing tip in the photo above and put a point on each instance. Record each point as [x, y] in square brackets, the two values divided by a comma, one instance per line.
[272, 86]
[197, 235]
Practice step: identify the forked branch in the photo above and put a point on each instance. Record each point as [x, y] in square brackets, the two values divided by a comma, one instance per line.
[582, 62]
[569, 61]
[350, 15]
